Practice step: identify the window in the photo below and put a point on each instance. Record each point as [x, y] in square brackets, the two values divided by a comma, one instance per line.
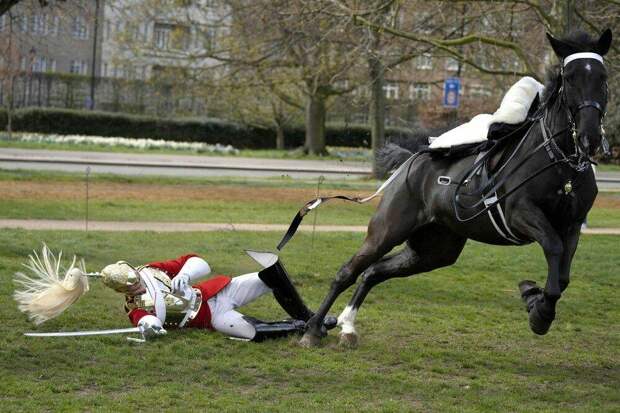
[161, 36]
[107, 30]
[424, 62]
[53, 26]
[452, 65]
[478, 90]
[130, 72]
[38, 23]
[2, 22]
[420, 91]
[22, 21]
[39, 64]
[104, 70]
[205, 39]
[180, 38]
[78, 67]
[52, 65]
[79, 30]
[424, 23]
[391, 91]
[167, 36]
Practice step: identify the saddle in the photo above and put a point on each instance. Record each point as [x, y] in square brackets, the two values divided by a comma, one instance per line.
[500, 133]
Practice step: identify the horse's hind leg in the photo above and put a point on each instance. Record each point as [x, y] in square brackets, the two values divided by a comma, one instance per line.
[383, 235]
[429, 248]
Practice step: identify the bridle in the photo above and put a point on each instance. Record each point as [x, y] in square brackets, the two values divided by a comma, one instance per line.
[579, 161]
[572, 113]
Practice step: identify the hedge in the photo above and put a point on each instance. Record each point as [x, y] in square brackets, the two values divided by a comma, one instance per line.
[79, 122]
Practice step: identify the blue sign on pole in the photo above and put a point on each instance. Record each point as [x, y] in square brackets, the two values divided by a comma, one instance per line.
[451, 89]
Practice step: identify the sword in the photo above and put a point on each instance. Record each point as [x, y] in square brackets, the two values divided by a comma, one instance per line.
[85, 333]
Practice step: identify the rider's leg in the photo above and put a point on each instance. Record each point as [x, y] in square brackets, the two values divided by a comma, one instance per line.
[235, 324]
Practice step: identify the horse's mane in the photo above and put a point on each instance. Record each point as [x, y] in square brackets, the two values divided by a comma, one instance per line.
[579, 41]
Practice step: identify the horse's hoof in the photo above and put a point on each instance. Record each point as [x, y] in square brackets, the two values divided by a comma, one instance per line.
[540, 323]
[309, 340]
[348, 340]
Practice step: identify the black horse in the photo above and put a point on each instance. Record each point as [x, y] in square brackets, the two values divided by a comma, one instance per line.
[537, 188]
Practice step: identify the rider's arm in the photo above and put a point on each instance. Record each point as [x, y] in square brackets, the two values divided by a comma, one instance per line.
[193, 270]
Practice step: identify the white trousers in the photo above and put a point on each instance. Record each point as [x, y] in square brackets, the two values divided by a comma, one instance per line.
[240, 291]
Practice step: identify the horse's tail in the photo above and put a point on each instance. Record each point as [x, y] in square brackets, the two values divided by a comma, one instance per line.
[392, 155]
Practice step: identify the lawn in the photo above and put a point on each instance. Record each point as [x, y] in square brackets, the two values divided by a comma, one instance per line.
[37, 195]
[456, 340]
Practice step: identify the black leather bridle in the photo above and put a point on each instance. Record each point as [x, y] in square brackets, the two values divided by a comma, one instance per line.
[572, 114]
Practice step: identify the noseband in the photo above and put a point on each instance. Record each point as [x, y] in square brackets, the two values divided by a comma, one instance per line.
[584, 104]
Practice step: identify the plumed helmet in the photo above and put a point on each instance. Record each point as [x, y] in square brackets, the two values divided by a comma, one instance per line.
[45, 292]
[120, 276]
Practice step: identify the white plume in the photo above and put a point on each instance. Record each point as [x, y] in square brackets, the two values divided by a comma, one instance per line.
[45, 295]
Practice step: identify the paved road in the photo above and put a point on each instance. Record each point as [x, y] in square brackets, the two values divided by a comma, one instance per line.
[123, 226]
[188, 165]
[176, 165]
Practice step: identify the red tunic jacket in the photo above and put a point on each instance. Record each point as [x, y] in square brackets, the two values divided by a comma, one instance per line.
[208, 289]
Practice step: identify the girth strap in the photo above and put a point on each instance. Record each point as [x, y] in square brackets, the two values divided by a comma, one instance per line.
[496, 215]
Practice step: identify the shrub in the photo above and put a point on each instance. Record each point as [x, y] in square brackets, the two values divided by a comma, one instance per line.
[211, 131]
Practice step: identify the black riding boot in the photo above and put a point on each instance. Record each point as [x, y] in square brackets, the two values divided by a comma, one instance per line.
[276, 277]
[275, 329]
[285, 293]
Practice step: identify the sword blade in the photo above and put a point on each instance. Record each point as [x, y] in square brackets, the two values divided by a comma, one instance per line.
[85, 333]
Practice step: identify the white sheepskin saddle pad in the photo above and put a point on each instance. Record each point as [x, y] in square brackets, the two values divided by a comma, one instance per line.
[513, 109]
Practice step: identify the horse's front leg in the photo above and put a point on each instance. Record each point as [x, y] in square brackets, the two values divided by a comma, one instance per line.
[570, 241]
[541, 306]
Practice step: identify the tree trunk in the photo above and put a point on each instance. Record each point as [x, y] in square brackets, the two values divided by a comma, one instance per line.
[376, 110]
[315, 125]
[279, 136]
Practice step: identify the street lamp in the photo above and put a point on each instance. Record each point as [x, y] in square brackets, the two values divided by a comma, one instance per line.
[32, 53]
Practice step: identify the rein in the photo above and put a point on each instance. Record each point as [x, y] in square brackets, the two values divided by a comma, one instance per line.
[578, 161]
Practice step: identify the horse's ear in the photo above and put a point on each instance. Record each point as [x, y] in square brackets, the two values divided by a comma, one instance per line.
[560, 48]
[604, 42]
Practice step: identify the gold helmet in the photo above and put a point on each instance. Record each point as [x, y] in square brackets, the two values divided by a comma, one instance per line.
[120, 276]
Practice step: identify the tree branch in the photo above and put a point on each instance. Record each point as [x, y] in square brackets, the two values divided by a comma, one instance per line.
[447, 46]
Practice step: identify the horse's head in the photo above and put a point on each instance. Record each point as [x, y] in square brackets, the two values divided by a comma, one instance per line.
[584, 84]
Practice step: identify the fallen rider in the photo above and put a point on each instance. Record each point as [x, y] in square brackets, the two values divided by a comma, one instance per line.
[167, 294]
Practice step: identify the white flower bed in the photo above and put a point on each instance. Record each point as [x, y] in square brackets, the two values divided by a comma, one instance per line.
[114, 141]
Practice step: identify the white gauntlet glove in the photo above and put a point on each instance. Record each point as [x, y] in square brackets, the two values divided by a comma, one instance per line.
[194, 269]
[180, 283]
[151, 326]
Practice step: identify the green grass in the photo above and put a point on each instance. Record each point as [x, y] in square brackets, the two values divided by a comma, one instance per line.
[335, 213]
[453, 341]
[365, 184]
[608, 167]
[604, 218]
[267, 212]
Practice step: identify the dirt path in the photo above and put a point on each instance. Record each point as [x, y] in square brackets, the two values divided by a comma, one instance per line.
[157, 192]
[74, 225]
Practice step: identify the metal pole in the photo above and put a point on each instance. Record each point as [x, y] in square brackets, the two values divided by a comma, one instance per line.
[316, 211]
[93, 72]
[87, 198]
[570, 12]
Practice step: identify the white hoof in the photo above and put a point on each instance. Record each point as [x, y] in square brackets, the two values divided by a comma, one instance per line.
[348, 340]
